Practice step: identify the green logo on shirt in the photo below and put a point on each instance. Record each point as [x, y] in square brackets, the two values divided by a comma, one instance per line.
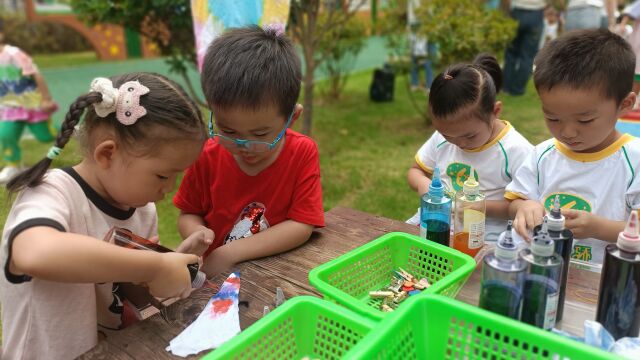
[567, 201]
[459, 173]
[582, 253]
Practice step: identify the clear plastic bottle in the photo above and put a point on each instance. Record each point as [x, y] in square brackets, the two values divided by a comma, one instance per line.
[619, 299]
[542, 282]
[435, 212]
[503, 274]
[469, 218]
[125, 238]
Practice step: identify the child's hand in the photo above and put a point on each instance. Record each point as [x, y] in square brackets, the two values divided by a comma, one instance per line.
[173, 279]
[423, 188]
[217, 262]
[583, 224]
[198, 242]
[48, 106]
[530, 214]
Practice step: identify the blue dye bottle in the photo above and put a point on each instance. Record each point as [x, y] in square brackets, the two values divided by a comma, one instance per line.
[503, 275]
[542, 282]
[435, 212]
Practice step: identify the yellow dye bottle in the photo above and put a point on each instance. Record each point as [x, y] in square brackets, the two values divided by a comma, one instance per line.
[469, 217]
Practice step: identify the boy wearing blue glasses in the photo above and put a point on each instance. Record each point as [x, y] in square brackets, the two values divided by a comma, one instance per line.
[256, 184]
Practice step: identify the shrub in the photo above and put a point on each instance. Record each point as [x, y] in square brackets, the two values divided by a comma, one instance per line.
[43, 37]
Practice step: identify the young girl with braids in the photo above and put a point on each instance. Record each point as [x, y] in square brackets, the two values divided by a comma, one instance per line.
[139, 132]
[470, 135]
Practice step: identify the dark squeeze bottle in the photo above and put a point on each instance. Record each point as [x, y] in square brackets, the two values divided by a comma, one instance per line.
[503, 275]
[435, 212]
[563, 240]
[541, 285]
[125, 238]
[619, 299]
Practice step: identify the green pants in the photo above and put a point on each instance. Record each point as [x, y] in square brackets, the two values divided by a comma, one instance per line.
[11, 132]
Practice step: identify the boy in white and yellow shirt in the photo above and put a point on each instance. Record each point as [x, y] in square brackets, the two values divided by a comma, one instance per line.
[584, 81]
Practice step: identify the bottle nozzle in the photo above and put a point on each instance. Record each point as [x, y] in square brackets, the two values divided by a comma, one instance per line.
[436, 188]
[555, 217]
[631, 230]
[542, 244]
[471, 186]
[545, 226]
[436, 181]
[629, 239]
[508, 239]
[555, 211]
[505, 248]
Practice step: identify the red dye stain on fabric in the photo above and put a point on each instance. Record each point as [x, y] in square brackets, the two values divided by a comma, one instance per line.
[221, 306]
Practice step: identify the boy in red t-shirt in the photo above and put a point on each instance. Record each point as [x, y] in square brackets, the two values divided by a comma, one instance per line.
[255, 190]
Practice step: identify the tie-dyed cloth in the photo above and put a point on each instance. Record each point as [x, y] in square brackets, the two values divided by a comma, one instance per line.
[212, 17]
[218, 322]
[19, 95]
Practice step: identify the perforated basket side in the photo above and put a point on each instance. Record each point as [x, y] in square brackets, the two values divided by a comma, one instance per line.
[359, 276]
[436, 327]
[348, 279]
[302, 326]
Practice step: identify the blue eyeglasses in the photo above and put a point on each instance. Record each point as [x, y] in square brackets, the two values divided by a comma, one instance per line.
[254, 146]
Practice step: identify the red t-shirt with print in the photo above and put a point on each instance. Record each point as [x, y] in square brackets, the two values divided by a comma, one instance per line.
[235, 205]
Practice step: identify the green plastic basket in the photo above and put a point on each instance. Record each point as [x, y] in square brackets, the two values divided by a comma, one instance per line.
[348, 279]
[436, 327]
[302, 326]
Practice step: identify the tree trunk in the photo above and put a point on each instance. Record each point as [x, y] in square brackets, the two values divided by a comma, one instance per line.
[308, 100]
[310, 67]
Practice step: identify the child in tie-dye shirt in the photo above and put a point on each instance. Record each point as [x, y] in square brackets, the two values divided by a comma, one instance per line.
[24, 101]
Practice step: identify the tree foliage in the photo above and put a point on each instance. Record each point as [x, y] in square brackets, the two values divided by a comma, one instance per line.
[340, 48]
[461, 28]
[168, 23]
[309, 31]
[465, 28]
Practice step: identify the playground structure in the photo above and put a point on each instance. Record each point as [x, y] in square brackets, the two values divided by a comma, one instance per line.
[111, 42]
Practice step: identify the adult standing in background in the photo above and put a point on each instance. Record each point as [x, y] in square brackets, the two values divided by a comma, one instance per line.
[590, 14]
[518, 60]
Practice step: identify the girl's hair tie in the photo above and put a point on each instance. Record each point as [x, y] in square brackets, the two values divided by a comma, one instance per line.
[53, 152]
[124, 101]
[276, 28]
[448, 77]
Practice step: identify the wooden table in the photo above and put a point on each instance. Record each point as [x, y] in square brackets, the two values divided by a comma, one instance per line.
[346, 229]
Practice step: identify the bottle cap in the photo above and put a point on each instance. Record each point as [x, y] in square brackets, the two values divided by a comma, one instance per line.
[436, 188]
[542, 244]
[199, 280]
[505, 248]
[555, 219]
[471, 186]
[629, 239]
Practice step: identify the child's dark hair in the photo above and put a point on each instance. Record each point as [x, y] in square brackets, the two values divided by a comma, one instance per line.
[463, 85]
[171, 115]
[587, 59]
[252, 67]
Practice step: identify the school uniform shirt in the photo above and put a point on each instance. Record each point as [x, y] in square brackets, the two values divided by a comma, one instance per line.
[53, 320]
[236, 205]
[603, 183]
[494, 165]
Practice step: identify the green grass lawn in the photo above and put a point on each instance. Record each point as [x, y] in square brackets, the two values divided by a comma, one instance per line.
[365, 150]
[65, 59]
